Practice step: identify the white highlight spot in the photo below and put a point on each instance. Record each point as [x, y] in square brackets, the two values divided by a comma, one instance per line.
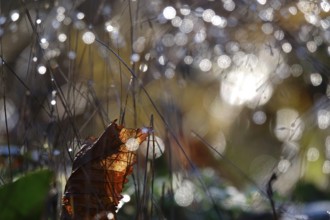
[286, 47]
[126, 198]
[145, 130]
[316, 79]
[224, 61]
[80, 15]
[185, 10]
[169, 13]
[184, 195]
[188, 60]
[62, 37]
[44, 43]
[110, 215]
[14, 16]
[88, 37]
[135, 57]
[132, 144]
[313, 154]
[219, 21]
[42, 69]
[262, 2]
[259, 117]
[156, 147]
[205, 65]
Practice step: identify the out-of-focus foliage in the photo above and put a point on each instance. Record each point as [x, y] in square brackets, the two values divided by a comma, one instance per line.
[308, 192]
[25, 198]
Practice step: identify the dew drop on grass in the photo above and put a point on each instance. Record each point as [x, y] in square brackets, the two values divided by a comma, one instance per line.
[169, 12]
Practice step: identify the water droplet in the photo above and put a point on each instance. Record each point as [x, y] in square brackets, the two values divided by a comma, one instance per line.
[200, 36]
[219, 21]
[161, 60]
[313, 154]
[316, 79]
[188, 60]
[262, 2]
[44, 43]
[224, 61]
[62, 37]
[80, 15]
[169, 73]
[71, 55]
[156, 147]
[325, 5]
[14, 15]
[60, 17]
[126, 198]
[267, 14]
[176, 22]
[168, 40]
[229, 5]
[135, 57]
[169, 12]
[205, 65]
[185, 10]
[42, 69]
[311, 46]
[208, 15]
[286, 47]
[88, 37]
[184, 195]
[181, 39]
[293, 10]
[187, 25]
[143, 67]
[259, 117]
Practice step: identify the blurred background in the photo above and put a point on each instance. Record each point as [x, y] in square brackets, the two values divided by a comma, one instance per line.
[237, 92]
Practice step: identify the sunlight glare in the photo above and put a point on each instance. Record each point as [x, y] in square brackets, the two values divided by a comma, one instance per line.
[243, 86]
